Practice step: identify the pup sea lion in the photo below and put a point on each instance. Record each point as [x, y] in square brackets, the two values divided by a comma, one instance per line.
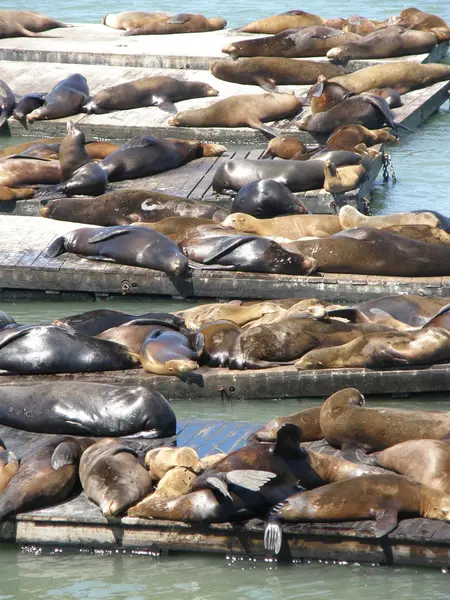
[133, 333]
[287, 20]
[379, 497]
[24, 170]
[269, 72]
[161, 23]
[168, 353]
[292, 227]
[148, 91]
[350, 217]
[65, 99]
[219, 338]
[267, 198]
[46, 476]
[347, 137]
[161, 460]
[292, 43]
[126, 245]
[112, 476]
[49, 349]
[344, 179]
[145, 155]
[240, 111]
[307, 420]
[22, 23]
[7, 101]
[94, 409]
[127, 206]
[26, 105]
[287, 147]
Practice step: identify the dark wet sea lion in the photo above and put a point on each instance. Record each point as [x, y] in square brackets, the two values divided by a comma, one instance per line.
[241, 110]
[123, 244]
[293, 227]
[45, 477]
[246, 253]
[379, 497]
[65, 99]
[292, 43]
[347, 137]
[94, 322]
[267, 198]
[287, 147]
[307, 420]
[402, 76]
[158, 91]
[296, 175]
[93, 409]
[50, 349]
[219, 338]
[168, 353]
[112, 477]
[133, 333]
[80, 175]
[26, 170]
[7, 101]
[266, 346]
[269, 72]
[145, 155]
[283, 21]
[27, 104]
[160, 23]
[22, 23]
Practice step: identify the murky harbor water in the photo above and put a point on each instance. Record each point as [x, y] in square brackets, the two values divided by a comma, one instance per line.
[421, 164]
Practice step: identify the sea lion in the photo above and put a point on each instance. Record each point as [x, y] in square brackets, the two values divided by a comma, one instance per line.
[6, 320]
[362, 25]
[94, 322]
[168, 353]
[440, 319]
[175, 227]
[391, 96]
[124, 244]
[65, 99]
[326, 94]
[298, 176]
[266, 346]
[175, 483]
[347, 137]
[292, 227]
[287, 147]
[7, 100]
[287, 20]
[80, 175]
[9, 465]
[145, 155]
[402, 76]
[8, 193]
[242, 110]
[22, 23]
[246, 253]
[160, 461]
[346, 423]
[386, 43]
[389, 349]
[93, 409]
[219, 338]
[163, 23]
[344, 179]
[26, 105]
[18, 148]
[307, 420]
[126, 206]
[133, 333]
[157, 91]
[210, 460]
[25, 170]
[45, 477]
[198, 316]
[413, 18]
[292, 43]
[269, 72]
[95, 150]
[266, 199]
[112, 476]
[379, 497]
[37, 349]
[350, 217]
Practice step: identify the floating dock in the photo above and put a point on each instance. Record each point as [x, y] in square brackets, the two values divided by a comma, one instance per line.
[25, 270]
[78, 523]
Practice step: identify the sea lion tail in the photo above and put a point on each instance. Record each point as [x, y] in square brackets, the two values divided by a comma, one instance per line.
[249, 479]
[273, 534]
[56, 248]
[401, 126]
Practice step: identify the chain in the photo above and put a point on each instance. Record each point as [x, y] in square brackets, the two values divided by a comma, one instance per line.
[388, 169]
[366, 206]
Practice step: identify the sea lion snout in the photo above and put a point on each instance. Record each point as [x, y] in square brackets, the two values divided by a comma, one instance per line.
[338, 56]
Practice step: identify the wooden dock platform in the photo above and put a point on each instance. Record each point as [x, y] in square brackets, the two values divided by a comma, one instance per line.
[96, 44]
[122, 125]
[78, 523]
[24, 268]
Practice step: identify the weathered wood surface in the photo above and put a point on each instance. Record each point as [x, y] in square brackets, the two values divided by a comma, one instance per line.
[101, 45]
[418, 105]
[23, 266]
[79, 523]
[279, 382]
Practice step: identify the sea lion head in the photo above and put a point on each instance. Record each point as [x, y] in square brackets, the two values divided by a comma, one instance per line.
[339, 55]
[217, 22]
[303, 123]
[213, 149]
[232, 51]
[437, 508]
[73, 130]
[177, 265]
[106, 18]
[209, 90]
[34, 115]
[345, 398]
[180, 366]
[239, 221]
[285, 146]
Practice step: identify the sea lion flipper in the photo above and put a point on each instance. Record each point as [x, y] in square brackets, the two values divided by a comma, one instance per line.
[8, 457]
[140, 141]
[317, 90]
[273, 534]
[249, 479]
[218, 485]
[180, 18]
[386, 521]
[269, 132]
[13, 334]
[227, 245]
[166, 105]
[56, 248]
[109, 233]
[63, 455]
[266, 83]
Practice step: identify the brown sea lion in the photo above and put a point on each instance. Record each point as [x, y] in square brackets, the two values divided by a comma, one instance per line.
[9, 465]
[269, 72]
[8, 193]
[141, 23]
[219, 338]
[346, 422]
[234, 311]
[45, 477]
[402, 76]
[326, 94]
[388, 349]
[350, 217]
[175, 483]
[287, 147]
[287, 20]
[362, 25]
[112, 476]
[174, 227]
[421, 233]
[18, 148]
[133, 334]
[240, 111]
[292, 226]
[158, 91]
[347, 137]
[292, 43]
[22, 171]
[131, 19]
[379, 497]
[22, 23]
[65, 99]
[161, 460]
[168, 353]
[307, 420]
[127, 206]
[413, 18]
[344, 179]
